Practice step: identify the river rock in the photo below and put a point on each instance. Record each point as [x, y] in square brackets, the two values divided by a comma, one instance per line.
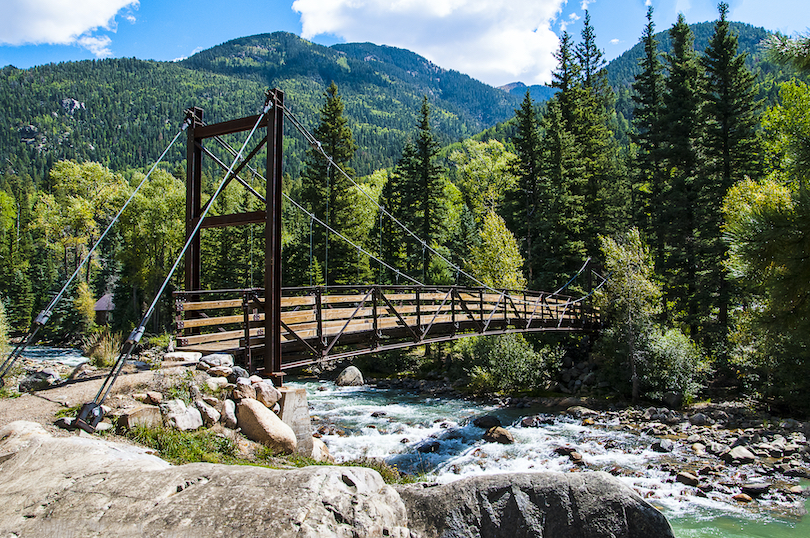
[579, 411]
[267, 393]
[663, 445]
[673, 400]
[228, 412]
[320, 452]
[577, 505]
[121, 490]
[739, 455]
[209, 415]
[350, 377]
[486, 422]
[237, 372]
[182, 356]
[497, 434]
[260, 424]
[216, 383]
[176, 415]
[147, 416]
[755, 489]
[687, 478]
[243, 390]
[218, 359]
[39, 380]
[698, 419]
[220, 371]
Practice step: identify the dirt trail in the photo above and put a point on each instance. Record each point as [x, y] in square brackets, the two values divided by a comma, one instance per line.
[42, 406]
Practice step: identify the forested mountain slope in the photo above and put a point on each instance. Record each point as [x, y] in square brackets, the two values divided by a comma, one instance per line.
[119, 112]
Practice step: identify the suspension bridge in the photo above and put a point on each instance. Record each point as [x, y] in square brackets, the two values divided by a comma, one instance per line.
[274, 330]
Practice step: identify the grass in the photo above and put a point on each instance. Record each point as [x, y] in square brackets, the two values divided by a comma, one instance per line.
[187, 447]
[178, 448]
[102, 347]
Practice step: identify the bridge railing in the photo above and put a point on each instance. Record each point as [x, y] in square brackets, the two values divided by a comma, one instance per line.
[341, 321]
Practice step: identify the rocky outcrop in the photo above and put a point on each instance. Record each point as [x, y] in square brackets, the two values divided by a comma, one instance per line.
[83, 486]
[574, 505]
[54, 486]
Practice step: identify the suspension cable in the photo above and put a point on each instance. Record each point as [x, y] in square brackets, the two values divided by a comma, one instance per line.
[91, 413]
[43, 317]
[316, 144]
[312, 217]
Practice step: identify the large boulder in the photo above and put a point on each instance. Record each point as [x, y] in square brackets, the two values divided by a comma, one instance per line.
[78, 486]
[260, 424]
[574, 505]
[350, 377]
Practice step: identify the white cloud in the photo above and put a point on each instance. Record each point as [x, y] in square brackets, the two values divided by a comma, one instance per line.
[586, 3]
[491, 40]
[615, 41]
[62, 22]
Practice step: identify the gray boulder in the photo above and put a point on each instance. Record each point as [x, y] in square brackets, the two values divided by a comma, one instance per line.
[218, 359]
[267, 393]
[573, 505]
[73, 486]
[350, 377]
[228, 412]
[178, 416]
[39, 380]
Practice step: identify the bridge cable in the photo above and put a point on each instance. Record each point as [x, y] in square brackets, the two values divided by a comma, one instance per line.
[316, 145]
[584, 265]
[312, 217]
[91, 413]
[47, 312]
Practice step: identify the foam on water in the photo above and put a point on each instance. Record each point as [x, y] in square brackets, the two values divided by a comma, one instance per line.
[436, 437]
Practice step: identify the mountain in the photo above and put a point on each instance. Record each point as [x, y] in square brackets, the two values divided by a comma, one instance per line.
[121, 112]
[622, 70]
[538, 93]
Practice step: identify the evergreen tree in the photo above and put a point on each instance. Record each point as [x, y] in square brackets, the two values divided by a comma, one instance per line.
[521, 203]
[676, 226]
[327, 193]
[567, 78]
[558, 225]
[649, 106]
[731, 153]
[422, 182]
[590, 58]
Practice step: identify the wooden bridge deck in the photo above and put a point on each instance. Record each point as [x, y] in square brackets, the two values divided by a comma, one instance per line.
[336, 322]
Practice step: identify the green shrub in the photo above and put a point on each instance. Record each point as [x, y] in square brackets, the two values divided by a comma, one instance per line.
[186, 447]
[505, 363]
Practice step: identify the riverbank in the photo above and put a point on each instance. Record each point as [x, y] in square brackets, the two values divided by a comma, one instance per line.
[685, 461]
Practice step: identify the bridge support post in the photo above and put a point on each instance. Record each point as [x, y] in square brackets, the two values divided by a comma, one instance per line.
[272, 231]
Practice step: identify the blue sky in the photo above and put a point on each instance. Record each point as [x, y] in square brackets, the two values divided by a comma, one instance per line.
[495, 41]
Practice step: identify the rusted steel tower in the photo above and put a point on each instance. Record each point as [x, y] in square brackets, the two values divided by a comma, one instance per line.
[198, 132]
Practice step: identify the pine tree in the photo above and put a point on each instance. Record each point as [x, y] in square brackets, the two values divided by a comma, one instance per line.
[327, 193]
[649, 107]
[422, 183]
[521, 203]
[732, 154]
[559, 245]
[676, 226]
[590, 58]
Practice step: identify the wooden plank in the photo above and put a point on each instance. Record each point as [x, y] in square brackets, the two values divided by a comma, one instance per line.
[208, 305]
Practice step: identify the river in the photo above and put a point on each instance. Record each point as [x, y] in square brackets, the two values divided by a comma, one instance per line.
[392, 425]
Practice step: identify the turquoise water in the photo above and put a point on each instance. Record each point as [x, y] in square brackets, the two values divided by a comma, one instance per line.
[435, 436]
[71, 357]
